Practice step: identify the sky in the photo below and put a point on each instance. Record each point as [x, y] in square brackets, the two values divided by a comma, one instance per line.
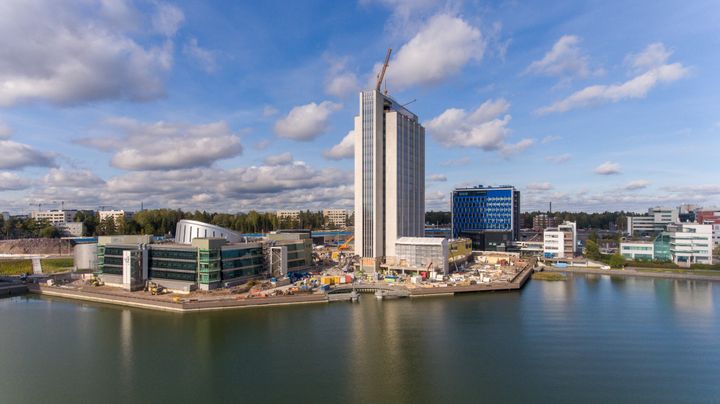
[231, 106]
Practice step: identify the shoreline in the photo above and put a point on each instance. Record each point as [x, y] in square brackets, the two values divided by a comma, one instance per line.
[154, 303]
[633, 272]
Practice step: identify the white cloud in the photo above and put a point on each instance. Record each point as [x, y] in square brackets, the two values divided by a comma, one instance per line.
[437, 178]
[560, 158]
[5, 131]
[59, 177]
[279, 159]
[306, 122]
[462, 161]
[655, 55]
[608, 168]
[71, 52]
[635, 185]
[18, 155]
[540, 186]
[13, 182]
[339, 81]
[565, 59]
[637, 87]
[343, 150]
[483, 128]
[206, 58]
[269, 111]
[166, 145]
[167, 19]
[440, 49]
[550, 139]
[405, 13]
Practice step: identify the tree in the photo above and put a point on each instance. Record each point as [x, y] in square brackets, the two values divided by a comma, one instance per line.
[591, 250]
[617, 261]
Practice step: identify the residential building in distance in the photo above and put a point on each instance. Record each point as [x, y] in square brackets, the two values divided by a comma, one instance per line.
[653, 222]
[54, 216]
[71, 229]
[5, 215]
[115, 214]
[289, 215]
[489, 216]
[691, 243]
[542, 221]
[389, 177]
[336, 217]
[560, 241]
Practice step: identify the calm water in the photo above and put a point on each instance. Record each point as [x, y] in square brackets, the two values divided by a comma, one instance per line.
[590, 339]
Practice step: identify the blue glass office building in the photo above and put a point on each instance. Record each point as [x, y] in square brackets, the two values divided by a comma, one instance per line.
[489, 216]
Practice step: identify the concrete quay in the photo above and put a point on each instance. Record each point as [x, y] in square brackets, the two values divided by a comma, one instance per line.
[634, 273]
[515, 284]
[12, 289]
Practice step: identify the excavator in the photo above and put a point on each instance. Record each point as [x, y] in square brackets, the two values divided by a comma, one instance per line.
[155, 289]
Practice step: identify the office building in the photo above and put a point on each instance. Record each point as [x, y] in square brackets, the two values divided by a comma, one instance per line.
[489, 216]
[691, 243]
[71, 229]
[116, 215]
[638, 250]
[542, 221]
[54, 216]
[389, 177]
[288, 215]
[336, 217]
[560, 241]
[711, 217]
[653, 222]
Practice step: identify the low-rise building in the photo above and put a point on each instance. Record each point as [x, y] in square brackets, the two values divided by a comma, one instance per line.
[116, 215]
[542, 221]
[290, 215]
[421, 254]
[638, 250]
[653, 222]
[711, 217]
[54, 216]
[71, 229]
[691, 243]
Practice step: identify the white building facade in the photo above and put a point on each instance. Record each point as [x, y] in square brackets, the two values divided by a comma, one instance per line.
[638, 250]
[336, 217]
[423, 253]
[54, 216]
[655, 221]
[291, 215]
[561, 241]
[691, 243]
[115, 214]
[389, 176]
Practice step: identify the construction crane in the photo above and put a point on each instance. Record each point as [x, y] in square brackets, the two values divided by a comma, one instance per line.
[346, 244]
[381, 75]
[39, 205]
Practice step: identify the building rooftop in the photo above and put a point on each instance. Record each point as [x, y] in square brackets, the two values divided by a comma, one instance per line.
[421, 240]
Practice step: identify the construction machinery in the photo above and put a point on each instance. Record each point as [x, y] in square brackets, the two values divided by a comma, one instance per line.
[155, 289]
[346, 244]
[381, 75]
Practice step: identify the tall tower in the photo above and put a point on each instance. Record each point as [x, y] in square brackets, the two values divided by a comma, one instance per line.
[389, 177]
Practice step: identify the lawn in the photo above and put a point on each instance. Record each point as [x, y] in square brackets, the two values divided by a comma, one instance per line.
[548, 276]
[49, 265]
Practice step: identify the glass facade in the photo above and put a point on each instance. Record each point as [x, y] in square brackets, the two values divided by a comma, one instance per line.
[485, 209]
[368, 146]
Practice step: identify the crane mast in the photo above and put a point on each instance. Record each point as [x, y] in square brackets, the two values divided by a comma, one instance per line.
[381, 75]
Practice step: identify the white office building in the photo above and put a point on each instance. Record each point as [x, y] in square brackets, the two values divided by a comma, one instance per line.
[691, 243]
[423, 253]
[291, 215]
[336, 217]
[54, 216]
[115, 214]
[655, 221]
[638, 250]
[561, 241]
[389, 177]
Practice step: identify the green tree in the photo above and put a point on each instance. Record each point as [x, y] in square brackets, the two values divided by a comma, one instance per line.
[617, 261]
[592, 251]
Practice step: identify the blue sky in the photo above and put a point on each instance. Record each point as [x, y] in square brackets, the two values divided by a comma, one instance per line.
[231, 106]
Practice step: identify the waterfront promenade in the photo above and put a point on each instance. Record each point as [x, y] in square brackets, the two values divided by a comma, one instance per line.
[636, 273]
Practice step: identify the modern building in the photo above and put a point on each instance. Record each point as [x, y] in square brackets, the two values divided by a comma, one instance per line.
[638, 250]
[71, 229]
[419, 254]
[187, 230]
[560, 241]
[54, 216]
[289, 215]
[691, 243]
[654, 222]
[489, 216]
[711, 217]
[336, 217]
[296, 248]
[389, 177]
[115, 214]
[542, 221]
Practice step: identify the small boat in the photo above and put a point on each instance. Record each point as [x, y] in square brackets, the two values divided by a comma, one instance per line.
[354, 296]
[379, 294]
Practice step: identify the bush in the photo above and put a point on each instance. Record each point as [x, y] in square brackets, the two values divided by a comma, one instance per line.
[616, 261]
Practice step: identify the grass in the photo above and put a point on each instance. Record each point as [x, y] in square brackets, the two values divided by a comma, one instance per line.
[706, 272]
[22, 266]
[548, 276]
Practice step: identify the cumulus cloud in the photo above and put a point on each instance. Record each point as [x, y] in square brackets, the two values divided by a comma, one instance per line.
[59, 177]
[19, 155]
[484, 128]
[343, 150]
[279, 159]
[437, 178]
[540, 186]
[206, 58]
[565, 60]
[306, 122]
[339, 81]
[440, 49]
[76, 52]
[608, 168]
[12, 182]
[560, 158]
[166, 145]
[638, 184]
[658, 72]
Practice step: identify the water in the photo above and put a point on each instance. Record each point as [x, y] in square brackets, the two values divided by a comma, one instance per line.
[589, 339]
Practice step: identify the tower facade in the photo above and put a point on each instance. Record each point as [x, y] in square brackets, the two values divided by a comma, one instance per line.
[389, 176]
